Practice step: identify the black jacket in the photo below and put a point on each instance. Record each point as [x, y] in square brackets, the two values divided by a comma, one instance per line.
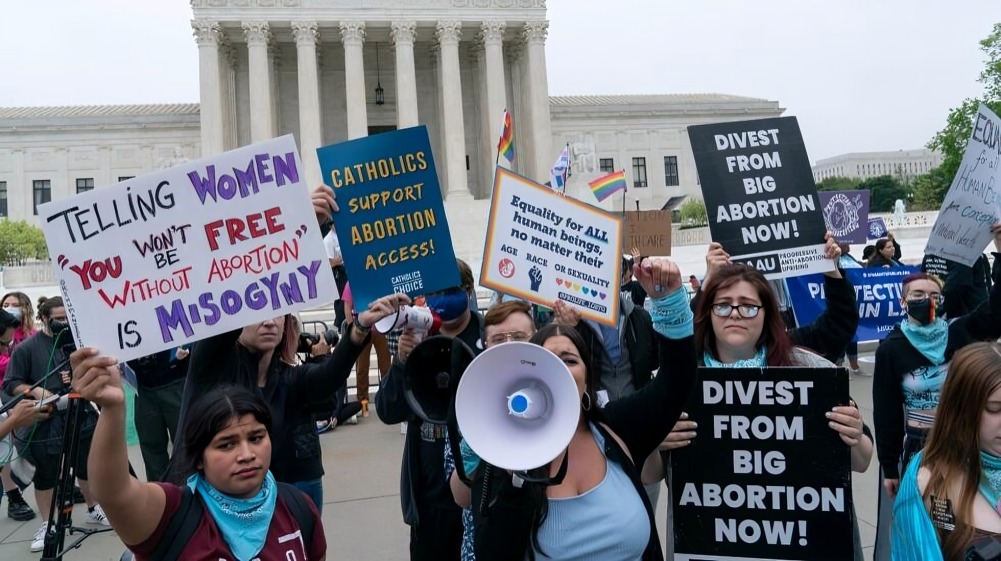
[640, 342]
[896, 358]
[642, 420]
[291, 393]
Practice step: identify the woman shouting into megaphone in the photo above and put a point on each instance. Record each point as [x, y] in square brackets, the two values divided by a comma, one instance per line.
[598, 508]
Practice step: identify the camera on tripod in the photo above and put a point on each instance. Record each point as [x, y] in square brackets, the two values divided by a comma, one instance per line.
[307, 340]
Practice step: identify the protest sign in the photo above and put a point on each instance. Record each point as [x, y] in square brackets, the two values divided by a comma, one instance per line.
[649, 231]
[542, 246]
[877, 292]
[766, 477]
[184, 253]
[846, 214]
[877, 228]
[973, 203]
[760, 196]
[391, 222]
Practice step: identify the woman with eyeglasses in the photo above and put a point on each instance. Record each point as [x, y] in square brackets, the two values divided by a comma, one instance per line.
[738, 324]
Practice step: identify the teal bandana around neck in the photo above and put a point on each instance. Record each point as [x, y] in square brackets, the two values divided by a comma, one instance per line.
[930, 340]
[756, 361]
[243, 523]
[990, 483]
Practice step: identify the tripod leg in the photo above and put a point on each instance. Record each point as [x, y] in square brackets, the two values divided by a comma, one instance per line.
[61, 513]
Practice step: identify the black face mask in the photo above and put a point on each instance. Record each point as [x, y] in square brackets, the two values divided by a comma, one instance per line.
[923, 311]
[56, 326]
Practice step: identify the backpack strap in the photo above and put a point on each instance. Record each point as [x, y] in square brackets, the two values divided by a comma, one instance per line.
[295, 500]
[180, 528]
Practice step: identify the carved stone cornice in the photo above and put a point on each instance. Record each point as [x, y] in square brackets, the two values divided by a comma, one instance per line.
[257, 32]
[448, 32]
[207, 33]
[536, 32]
[492, 32]
[403, 32]
[352, 32]
[306, 33]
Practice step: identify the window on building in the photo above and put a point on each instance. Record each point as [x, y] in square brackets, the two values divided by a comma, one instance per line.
[124, 178]
[3, 199]
[606, 165]
[639, 172]
[671, 171]
[42, 191]
[84, 184]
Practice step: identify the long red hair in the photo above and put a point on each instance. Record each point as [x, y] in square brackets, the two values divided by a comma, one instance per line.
[773, 332]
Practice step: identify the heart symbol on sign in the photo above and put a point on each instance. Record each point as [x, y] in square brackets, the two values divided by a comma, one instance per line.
[585, 291]
[566, 283]
[602, 295]
[559, 282]
[576, 287]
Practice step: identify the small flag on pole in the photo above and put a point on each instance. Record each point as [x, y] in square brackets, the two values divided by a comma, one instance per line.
[561, 171]
[505, 147]
[607, 185]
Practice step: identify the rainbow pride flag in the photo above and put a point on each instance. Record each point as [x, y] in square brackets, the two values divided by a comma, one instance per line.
[506, 145]
[607, 185]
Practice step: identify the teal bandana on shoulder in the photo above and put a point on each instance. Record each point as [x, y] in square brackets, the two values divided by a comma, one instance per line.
[930, 340]
[756, 361]
[243, 523]
[990, 483]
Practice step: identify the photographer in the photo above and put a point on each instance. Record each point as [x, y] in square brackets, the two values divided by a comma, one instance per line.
[314, 347]
[33, 362]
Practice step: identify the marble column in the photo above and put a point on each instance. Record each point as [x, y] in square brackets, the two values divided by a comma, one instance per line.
[353, 37]
[207, 36]
[448, 34]
[310, 126]
[538, 98]
[493, 47]
[261, 120]
[406, 76]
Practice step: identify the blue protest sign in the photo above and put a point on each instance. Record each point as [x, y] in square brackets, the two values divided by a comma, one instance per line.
[391, 219]
[846, 214]
[877, 292]
[877, 228]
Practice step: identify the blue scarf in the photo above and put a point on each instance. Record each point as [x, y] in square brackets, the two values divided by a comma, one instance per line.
[756, 361]
[930, 340]
[243, 523]
[990, 482]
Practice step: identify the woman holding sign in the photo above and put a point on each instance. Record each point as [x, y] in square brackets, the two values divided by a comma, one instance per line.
[738, 325]
[600, 509]
[948, 502]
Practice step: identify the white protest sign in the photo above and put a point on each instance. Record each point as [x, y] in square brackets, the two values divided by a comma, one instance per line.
[542, 246]
[973, 203]
[188, 252]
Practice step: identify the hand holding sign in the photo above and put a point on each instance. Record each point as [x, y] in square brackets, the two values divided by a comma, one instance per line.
[833, 251]
[847, 422]
[716, 257]
[323, 203]
[681, 435]
[658, 276]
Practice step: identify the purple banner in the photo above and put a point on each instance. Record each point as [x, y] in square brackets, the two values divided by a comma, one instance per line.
[846, 214]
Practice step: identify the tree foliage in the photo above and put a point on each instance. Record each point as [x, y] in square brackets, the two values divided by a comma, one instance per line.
[951, 140]
[838, 184]
[693, 213]
[929, 190]
[883, 190]
[21, 242]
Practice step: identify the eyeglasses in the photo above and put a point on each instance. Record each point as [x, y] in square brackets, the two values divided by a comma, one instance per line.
[725, 309]
[499, 338]
[918, 296]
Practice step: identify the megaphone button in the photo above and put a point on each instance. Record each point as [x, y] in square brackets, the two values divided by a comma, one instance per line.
[518, 404]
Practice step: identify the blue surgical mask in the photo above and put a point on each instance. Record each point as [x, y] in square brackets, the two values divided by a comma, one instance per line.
[14, 311]
[449, 306]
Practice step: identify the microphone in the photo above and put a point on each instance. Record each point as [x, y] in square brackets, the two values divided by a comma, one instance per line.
[419, 318]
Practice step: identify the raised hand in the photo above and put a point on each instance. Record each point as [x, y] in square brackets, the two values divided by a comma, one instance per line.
[681, 435]
[659, 276]
[833, 251]
[324, 204]
[383, 307]
[97, 378]
[716, 257]
[535, 276]
[565, 314]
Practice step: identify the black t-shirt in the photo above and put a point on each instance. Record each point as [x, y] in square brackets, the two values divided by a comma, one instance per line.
[635, 290]
[433, 486]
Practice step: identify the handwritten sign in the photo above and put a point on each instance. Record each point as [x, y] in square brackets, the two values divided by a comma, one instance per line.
[973, 203]
[766, 478]
[542, 246]
[846, 214]
[391, 222]
[877, 292]
[760, 196]
[188, 252]
[649, 231]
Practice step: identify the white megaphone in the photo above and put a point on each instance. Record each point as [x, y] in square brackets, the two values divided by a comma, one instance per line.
[419, 318]
[517, 406]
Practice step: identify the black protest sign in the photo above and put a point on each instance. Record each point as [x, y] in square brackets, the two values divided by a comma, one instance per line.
[766, 477]
[760, 196]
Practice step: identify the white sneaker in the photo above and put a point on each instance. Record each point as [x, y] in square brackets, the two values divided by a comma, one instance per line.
[38, 541]
[352, 421]
[97, 516]
[862, 373]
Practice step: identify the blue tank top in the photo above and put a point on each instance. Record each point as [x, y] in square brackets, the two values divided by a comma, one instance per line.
[605, 523]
